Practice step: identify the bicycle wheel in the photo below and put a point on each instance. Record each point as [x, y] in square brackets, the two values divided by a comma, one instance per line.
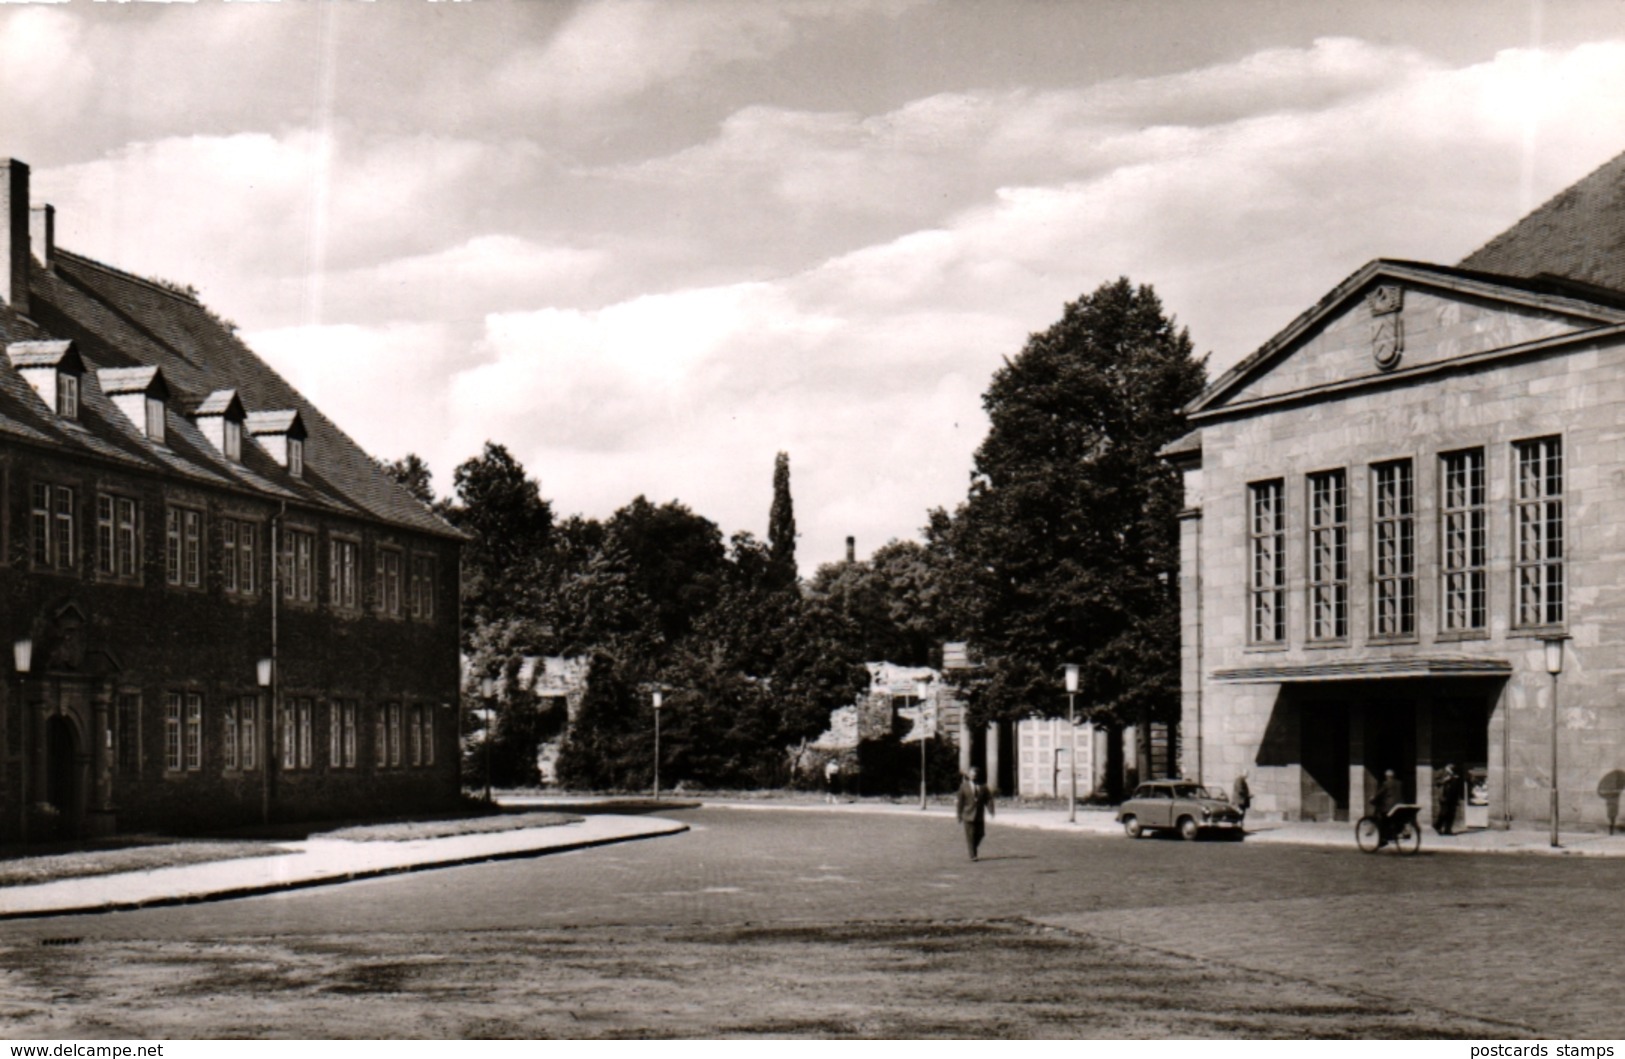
[1366, 835]
[1409, 839]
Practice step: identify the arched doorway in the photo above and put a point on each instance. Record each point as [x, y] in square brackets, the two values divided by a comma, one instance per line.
[62, 773]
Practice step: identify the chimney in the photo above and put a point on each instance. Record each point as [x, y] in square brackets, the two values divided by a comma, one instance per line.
[42, 232]
[851, 549]
[14, 234]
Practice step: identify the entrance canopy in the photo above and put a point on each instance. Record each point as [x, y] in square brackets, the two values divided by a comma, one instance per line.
[1365, 669]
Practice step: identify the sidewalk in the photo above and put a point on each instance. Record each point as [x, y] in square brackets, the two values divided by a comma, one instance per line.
[1097, 821]
[314, 862]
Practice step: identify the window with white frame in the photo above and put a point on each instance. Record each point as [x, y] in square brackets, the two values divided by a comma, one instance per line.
[298, 735]
[194, 731]
[344, 563]
[53, 527]
[183, 546]
[247, 712]
[394, 713]
[156, 416]
[299, 565]
[67, 394]
[422, 587]
[183, 731]
[1393, 530]
[1267, 560]
[296, 457]
[341, 748]
[173, 707]
[1464, 536]
[230, 737]
[238, 555]
[389, 582]
[231, 437]
[117, 537]
[1328, 555]
[1539, 521]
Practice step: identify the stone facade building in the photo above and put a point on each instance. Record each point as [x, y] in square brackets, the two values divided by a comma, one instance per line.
[1403, 512]
[216, 609]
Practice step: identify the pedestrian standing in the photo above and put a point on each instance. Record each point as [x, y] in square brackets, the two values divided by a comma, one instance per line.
[974, 805]
[832, 775]
[1244, 795]
[1446, 799]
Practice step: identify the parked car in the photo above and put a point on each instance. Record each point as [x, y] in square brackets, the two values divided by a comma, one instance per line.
[1178, 804]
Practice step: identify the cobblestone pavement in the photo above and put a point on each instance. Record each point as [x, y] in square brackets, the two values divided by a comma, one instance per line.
[821, 924]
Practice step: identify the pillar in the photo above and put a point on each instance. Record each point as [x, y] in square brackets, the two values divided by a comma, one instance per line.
[990, 769]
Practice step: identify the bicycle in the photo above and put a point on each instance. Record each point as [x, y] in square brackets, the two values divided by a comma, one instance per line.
[1404, 833]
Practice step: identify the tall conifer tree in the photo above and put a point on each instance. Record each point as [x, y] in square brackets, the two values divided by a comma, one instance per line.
[781, 526]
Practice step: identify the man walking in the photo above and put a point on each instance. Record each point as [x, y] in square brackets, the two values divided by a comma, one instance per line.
[1244, 795]
[975, 803]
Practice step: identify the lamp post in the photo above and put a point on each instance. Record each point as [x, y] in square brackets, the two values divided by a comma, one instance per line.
[22, 656]
[658, 700]
[265, 676]
[921, 690]
[1072, 752]
[1554, 666]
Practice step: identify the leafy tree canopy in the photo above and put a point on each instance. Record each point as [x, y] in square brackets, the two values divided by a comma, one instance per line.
[1065, 549]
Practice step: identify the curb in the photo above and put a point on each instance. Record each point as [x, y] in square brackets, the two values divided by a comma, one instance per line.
[261, 889]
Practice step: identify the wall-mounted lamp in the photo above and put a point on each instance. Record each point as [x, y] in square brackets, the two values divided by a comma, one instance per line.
[1554, 656]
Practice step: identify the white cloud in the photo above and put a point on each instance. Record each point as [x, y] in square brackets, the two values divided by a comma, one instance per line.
[837, 285]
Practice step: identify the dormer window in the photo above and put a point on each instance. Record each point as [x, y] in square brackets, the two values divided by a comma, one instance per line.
[67, 395]
[282, 435]
[141, 395]
[219, 418]
[155, 418]
[53, 369]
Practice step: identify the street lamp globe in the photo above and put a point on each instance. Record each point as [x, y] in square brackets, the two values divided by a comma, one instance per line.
[1554, 656]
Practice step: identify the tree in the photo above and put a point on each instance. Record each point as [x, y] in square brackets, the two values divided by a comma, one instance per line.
[1066, 549]
[892, 603]
[412, 473]
[674, 562]
[781, 525]
[509, 527]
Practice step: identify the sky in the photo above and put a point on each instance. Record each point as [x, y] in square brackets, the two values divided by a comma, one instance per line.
[648, 244]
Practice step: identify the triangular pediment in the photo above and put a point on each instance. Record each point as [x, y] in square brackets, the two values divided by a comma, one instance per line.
[1394, 317]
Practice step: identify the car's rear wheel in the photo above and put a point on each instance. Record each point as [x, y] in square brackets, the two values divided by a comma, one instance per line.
[1132, 828]
[1188, 829]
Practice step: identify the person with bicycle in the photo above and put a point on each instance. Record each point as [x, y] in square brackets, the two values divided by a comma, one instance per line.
[1389, 794]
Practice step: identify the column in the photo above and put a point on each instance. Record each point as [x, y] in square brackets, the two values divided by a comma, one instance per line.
[991, 768]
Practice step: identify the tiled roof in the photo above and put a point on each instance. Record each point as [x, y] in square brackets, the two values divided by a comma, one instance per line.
[119, 321]
[1578, 234]
[37, 354]
[217, 403]
[128, 380]
[281, 421]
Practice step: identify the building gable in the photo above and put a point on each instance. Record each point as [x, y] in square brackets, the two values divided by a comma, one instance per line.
[1391, 318]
